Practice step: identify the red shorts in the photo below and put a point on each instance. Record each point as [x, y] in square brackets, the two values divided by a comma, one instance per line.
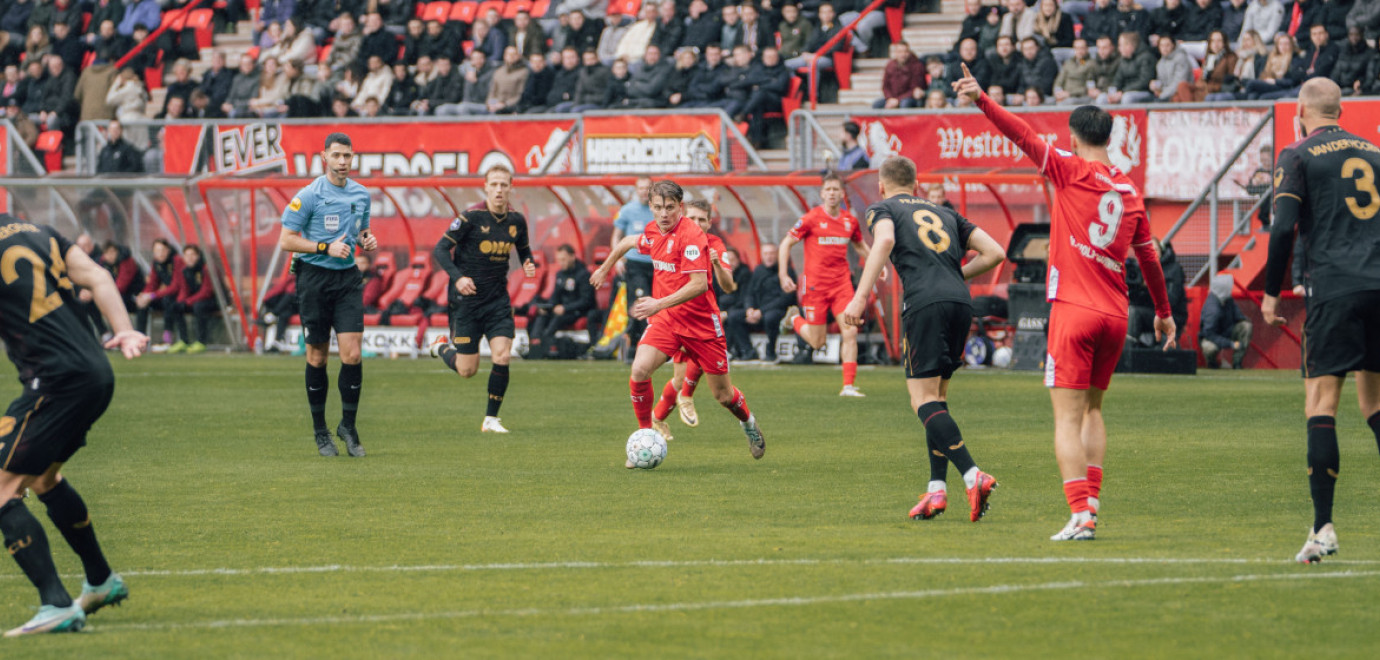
[1084, 346]
[815, 304]
[710, 354]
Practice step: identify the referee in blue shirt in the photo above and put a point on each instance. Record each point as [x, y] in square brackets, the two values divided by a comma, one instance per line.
[324, 222]
[636, 268]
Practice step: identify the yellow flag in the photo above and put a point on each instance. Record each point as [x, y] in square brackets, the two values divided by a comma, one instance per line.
[618, 317]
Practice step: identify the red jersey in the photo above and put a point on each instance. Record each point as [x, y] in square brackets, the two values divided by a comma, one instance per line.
[826, 242]
[1098, 217]
[675, 255]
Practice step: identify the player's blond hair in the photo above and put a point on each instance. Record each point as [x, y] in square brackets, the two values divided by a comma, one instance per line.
[898, 172]
[502, 169]
[701, 204]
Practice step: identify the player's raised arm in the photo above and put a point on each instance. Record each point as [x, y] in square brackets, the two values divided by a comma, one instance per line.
[1008, 123]
[620, 248]
[989, 256]
[95, 278]
[883, 239]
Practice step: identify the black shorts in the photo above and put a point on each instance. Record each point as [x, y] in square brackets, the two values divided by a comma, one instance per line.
[328, 298]
[469, 321]
[932, 339]
[1341, 335]
[45, 426]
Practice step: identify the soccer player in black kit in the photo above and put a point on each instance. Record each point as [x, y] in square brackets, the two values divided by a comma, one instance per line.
[474, 251]
[67, 384]
[1325, 188]
[927, 243]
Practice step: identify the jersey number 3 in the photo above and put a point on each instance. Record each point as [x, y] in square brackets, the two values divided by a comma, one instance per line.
[1102, 231]
[931, 230]
[1365, 183]
[43, 302]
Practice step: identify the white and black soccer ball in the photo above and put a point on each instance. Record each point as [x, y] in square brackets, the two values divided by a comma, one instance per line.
[646, 449]
[1001, 358]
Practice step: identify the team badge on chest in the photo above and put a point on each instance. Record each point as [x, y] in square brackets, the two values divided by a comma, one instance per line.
[332, 222]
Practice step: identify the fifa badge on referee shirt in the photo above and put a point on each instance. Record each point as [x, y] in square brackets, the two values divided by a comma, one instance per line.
[332, 222]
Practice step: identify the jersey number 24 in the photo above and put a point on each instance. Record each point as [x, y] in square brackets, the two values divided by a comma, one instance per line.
[42, 302]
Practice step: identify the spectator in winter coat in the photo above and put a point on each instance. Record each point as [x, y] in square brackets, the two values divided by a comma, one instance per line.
[730, 27]
[686, 65]
[632, 46]
[974, 17]
[572, 299]
[129, 280]
[1354, 62]
[1053, 27]
[706, 88]
[1131, 82]
[670, 27]
[1168, 19]
[828, 27]
[1036, 68]
[796, 31]
[217, 80]
[139, 12]
[197, 296]
[977, 65]
[1219, 67]
[509, 79]
[754, 34]
[376, 41]
[128, 97]
[1365, 14]
[1004, 66]
[581, 33]
[618, 84]
[445, 87]
[564, 81]
[1174, 71]
[489, 39]
[647, 87]
[526, 35]
[737, 82]
[1101, 21]
[538, 82]
[903, 80]
[1223, 326]
[1131, 17]
[67, 45]
[1076, 77]
[1233, 18]
[703, 27]
[244, 88]
[118, 156]
[1333, 13]
[1204, 16]
[1019, 21]
[1317, 62]
[771, 80]
[438, 42]
[854, 157]
[58, 109]
[1265, 17]
[764, 305]
[160, 289]
[377, 83]
[296, 43]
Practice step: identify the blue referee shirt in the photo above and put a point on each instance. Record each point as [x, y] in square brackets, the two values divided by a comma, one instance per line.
[633, 218]
[324, 213]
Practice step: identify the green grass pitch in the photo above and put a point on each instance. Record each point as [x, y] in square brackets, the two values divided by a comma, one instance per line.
[237, 540]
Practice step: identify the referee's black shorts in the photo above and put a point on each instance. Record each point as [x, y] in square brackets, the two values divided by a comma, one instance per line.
[1342, 334]
[329, 298]
[932, 339]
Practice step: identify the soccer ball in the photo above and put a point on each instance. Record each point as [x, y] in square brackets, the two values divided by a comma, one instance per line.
[646, 449]
[1002, 357]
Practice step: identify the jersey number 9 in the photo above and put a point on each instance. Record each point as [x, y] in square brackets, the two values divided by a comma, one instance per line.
[931, 230]
[1102, 231]
[42, 302]
[1365, 183]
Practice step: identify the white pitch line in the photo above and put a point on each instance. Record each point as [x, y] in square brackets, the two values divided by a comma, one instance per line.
[713, 563]
[794, 601]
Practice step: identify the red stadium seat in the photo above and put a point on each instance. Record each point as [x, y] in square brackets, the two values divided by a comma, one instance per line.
[514, 6]
[843, 67]
[895, 22]
[464, 11]
[386, 266]
[407, 286]
[372, 319]
[540, 8]
[88, 58]
[624, 7]
[497, 5]
[86, 22]
[438, 289]
[322, 53]
[437, 11]
[202, 22]
[791, 102]
[420, 10]
[50, 144]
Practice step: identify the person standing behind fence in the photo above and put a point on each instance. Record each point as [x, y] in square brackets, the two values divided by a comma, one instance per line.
[637, 268]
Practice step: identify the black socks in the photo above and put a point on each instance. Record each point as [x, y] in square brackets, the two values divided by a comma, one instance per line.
[498, 386]
[351, 376]
[68, 513]
[1374, 422]
[939, 463]
[1323, 463]
[448, 354]
[26, 542]
[943, 435]
[317, 384]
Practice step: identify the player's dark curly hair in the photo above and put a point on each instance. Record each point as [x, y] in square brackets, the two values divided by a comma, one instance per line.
[668, 190]
[1092, 125]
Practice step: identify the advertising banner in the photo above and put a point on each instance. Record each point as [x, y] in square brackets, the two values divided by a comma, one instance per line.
[382, 149]
[654, 144]
[1187, 147]
[953, 141]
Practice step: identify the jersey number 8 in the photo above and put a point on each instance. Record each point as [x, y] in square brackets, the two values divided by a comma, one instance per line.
[1365, 183]
[931, 230]
[1102, 231]
[43, 302]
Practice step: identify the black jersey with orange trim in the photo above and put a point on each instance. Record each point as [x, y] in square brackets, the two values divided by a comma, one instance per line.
[477, 245]
[931, 241]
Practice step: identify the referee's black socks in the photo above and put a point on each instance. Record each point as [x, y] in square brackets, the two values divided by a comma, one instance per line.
[68, 513]
[317, 385]
[498, 386]
[1323, 463]
[26, 542]
[351, 377]
[942, 433]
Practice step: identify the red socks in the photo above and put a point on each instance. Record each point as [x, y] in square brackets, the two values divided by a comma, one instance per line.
[692, 378]
[666, 402]
[1094, 480]
[850, 372]
[738, 406]
[1076, 491]
[642, 402]
[798, 323]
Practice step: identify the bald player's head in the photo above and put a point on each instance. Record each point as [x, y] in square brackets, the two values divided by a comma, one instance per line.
[1320, 103]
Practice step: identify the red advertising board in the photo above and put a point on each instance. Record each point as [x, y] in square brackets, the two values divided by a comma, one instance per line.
[654, 144]
[388, 149]
[1359, 115]
[954, 141]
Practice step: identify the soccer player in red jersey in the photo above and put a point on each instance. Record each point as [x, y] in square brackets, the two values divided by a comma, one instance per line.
[680, 390]
[683, 314]
[1098, 216]
[827, 283]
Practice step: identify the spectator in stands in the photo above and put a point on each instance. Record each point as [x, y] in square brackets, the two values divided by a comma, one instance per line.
[937, 74]
[563, 82]
[295, 44]
[217, 80]
[272, 92]
[345, 48]
[377, 81]
[1285, 71]
[182, 83]
[853, 156]
[199, 107]
[376, 42]
[755, 34]
[58, 109]
[1233, 17]
[526, 35]
[488, 39]
[1223, 326]
[635, 41]
[1053, 28]
[92, 86]
[1365, 14]
[144, 59]
[174, 108]
[105, 10]
[507, 83]
[903, 81]
[130, 100]
[28, 132]
[14, 86]
[437, 42]
[935, 99]
[1332, 14]
[396, 12]
[1250, 59]
[1204, 16]
[275, 12]
[1173, 73]
[477, 73]
[647, 86]
[1105, 66]
[730, 27]
[974, 17]
[539, 80]
[795, 31]
[826, 30]
[669, 33]
[706, 88]
[764, 305]
[401, 94]
[1018, 23]
[609, 40]
[1168, 19]
[571, 300]
[618, 84]
[139, 12]
[129, 279]
[1075, 80]
[1036, 68]
[412, 41]
[1100, 21]
[244, 88]
[1032, 97]
[160, 288]
[1219, 67]
[1004, 68]
[1265, 17]
[1131, 83]
[306, 96]
[67, 45]
[968, 56]
[1354, 62]
[771, 81]
[109, 45]
[197, 297]
[15, 20]
[581, 33]
[36, 44]
[737, 81]
[31, 98]
[1131, 17]
[702, 27]
[686, 66]
[340, 108]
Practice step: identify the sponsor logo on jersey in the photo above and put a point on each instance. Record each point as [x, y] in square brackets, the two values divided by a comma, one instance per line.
[692, 252]
[833, 240]
[663, 266]
[456, 225]
[496, 247]
[295, 205]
